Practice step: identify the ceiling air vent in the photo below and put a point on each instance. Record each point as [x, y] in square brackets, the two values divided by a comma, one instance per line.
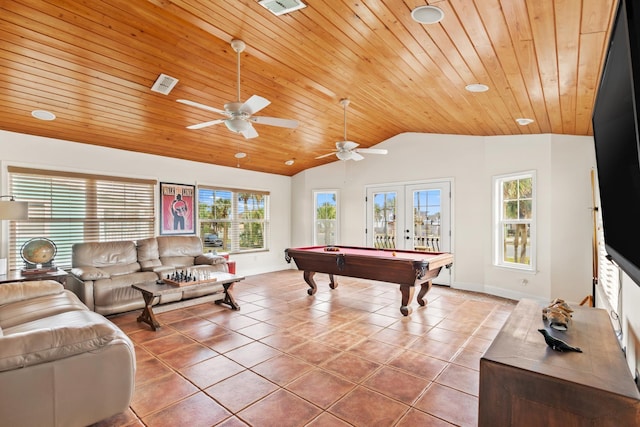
[280, 7]
[164, 84]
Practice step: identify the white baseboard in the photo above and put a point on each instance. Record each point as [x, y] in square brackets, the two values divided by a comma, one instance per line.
[499, 292]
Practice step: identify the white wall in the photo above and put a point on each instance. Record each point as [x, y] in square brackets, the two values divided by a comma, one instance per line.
[37, 152]
[562, 165]
[563, 235]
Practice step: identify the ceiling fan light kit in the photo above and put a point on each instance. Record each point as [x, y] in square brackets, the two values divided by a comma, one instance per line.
[237, 125]
[240, 114]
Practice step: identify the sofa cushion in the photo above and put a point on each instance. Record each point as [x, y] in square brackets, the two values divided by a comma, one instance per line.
[120, 269]
[18, 291]
[148, 256]
[209, 259]
[117, 290]
[104, 254]
[90, 273]
[63, 338]
[179, 246]
[105, 272]
[177, 261]
[41, 307]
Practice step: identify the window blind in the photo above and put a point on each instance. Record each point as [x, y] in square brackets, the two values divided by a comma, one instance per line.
[608, 272]
[69, 208]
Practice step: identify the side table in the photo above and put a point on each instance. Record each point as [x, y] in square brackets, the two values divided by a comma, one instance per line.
[59, 276]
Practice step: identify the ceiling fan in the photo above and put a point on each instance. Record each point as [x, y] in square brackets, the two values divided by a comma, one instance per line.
[240, 115]
[346, 150]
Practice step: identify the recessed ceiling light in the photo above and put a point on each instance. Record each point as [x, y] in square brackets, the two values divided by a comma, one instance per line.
[427, 14]
[43, 115]
[477, 87]
[289, 162]
[524, 121]
[240, 155]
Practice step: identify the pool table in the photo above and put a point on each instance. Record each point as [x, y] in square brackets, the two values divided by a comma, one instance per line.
[406, 268]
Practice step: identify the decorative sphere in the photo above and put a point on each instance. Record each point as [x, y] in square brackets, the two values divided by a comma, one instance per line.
[38, 251]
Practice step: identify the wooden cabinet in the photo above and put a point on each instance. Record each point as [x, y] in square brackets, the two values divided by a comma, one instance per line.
[524, 383]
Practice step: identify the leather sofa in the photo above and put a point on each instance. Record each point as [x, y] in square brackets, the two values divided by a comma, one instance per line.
[102, 273]
[60, 363]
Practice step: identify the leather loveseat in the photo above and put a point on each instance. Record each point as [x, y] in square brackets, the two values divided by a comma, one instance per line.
[102, 273]
[60, 363]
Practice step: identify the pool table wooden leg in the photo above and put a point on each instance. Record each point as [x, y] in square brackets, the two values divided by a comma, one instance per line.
[333, 283]
[424, 288]
[407, 296]
[308, 277]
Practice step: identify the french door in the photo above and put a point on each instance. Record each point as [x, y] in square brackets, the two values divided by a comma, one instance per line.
[411, 216]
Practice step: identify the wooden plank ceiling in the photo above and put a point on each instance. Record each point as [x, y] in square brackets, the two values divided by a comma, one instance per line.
[93, 62]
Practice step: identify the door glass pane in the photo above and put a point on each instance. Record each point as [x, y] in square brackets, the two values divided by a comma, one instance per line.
[426, 220]
[384, 219]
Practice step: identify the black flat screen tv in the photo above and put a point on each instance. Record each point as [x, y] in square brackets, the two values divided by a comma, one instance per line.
[616, 135]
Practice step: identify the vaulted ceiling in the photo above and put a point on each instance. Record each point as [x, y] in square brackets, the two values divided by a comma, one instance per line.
[93, 62]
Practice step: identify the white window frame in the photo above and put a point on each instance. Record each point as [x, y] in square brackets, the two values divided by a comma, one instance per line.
[314, 234]
[499, 222]
[235, 219]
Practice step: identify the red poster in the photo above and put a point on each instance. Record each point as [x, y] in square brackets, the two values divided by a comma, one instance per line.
[177, 209]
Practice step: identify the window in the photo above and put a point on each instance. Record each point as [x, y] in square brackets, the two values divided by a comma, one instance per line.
[69, 208]
[325, 221]
[233, 220]
[515, 221]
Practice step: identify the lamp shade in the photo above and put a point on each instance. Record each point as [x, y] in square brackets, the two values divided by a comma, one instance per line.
[10, 209]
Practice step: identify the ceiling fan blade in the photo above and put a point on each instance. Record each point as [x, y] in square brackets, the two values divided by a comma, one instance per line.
[205, 124]
[250, 132]
[355, 156]
[326, 155]
[274, 121]
[202, 106]
[254, 104]
[371, 150]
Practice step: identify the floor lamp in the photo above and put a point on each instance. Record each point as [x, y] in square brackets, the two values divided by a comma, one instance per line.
[11, 210]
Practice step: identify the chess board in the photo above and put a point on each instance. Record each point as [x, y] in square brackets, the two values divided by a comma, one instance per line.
[188, 283]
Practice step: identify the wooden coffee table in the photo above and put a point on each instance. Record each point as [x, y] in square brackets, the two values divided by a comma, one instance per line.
[151, 290]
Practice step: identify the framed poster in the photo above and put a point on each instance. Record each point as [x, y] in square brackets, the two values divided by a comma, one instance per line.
[177, 209]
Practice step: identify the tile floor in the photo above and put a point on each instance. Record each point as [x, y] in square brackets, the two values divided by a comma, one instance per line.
[344, 357]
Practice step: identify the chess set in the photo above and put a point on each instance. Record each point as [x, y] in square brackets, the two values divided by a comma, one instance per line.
[182, 278]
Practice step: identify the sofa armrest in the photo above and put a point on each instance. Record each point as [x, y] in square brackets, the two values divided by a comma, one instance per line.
[209, 259]
[44, 345]
[83, 290]
[20, 291]
[90, 273]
